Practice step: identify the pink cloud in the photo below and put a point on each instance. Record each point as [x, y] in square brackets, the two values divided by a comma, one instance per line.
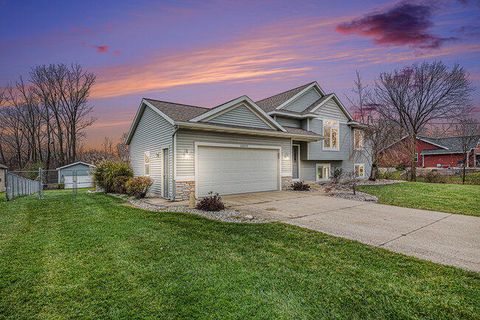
[101, 48]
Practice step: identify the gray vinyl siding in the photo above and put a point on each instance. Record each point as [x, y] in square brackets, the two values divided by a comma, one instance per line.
[240, 116]
[289, 122]
[304, 101]
[330, 110]
[153, 133]
[186, 142]
[315, 149]
[307, 168]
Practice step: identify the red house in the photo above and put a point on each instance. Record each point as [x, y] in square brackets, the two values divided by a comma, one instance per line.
[432, 153]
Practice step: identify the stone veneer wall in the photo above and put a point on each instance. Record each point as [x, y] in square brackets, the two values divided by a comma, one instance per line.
[286, 183]
[183, 188]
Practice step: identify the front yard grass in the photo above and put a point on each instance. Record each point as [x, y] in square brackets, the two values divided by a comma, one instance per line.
[453, 198]
[94, 257]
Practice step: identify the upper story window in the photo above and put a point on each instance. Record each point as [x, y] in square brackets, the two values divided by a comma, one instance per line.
[357, 139]
[146, 163]
[330, 134]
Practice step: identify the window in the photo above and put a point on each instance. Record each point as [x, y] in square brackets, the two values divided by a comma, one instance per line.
[323, 171]
[416, 157]
[358, 139]
[359, 170]
[146, 163]
[330, 134]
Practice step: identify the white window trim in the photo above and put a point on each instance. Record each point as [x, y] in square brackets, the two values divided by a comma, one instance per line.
[355, 171]
[338, 135]
[298, 160]
[146, 153]
[355, 140]
[322, 165]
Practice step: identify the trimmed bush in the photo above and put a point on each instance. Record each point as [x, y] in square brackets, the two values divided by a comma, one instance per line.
[300, 186]
[119, 184]
[212, 202]
[138, 186]
[106, 172]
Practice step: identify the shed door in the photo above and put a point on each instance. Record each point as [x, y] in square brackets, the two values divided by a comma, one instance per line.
[236, 170]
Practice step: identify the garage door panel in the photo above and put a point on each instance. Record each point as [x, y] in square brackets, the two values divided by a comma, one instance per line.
[236, 170]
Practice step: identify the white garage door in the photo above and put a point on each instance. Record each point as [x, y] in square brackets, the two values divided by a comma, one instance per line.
[236, 170]
[82, 182]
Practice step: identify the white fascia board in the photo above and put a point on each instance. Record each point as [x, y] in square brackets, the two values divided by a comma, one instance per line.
[296, 116]
[247, 131]
[140, 109]
[256, 109]
[75, 163]
[433, 143]
[315, 84]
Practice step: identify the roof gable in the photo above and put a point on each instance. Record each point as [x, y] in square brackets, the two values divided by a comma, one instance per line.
[331, 106]
[302, 101]
[241, 111]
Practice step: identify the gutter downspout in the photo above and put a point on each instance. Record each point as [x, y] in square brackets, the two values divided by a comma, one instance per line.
[174, 153]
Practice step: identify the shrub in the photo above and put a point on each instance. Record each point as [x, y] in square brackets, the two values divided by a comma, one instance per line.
[106, 172]
[119, 184]
[434, 177]
[212, 202]
[138, 186]
[300, 186]
[400, 167]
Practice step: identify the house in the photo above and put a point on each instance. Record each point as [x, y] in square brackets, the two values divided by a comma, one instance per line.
[3, 170]
[432, 153]
[81, 171]
[244, 146]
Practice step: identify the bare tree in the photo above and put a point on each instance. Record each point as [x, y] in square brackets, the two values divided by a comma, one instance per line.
[468, 130]
[415, 96]
[122, 148]
[377, 131]
[64, 90]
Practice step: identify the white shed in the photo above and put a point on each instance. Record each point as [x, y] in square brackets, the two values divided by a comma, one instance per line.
[3, 169]
[81, 170]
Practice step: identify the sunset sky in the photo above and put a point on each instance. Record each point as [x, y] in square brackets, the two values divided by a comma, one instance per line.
[208, 52]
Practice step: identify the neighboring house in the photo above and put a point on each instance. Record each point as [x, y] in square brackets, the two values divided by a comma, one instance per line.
[244, 146]
[432, 153]
[82, 171]
[3, 170]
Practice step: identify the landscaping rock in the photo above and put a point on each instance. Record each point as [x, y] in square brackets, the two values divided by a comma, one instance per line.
[223, 215]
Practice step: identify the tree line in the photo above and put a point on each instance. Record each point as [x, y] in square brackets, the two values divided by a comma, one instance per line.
[408, 102]
[43, 117]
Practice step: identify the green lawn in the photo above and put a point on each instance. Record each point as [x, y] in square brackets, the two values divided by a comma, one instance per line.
[94, 257]
[453, 198]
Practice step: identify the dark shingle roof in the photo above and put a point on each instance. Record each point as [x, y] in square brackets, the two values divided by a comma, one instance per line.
[270, 103]
[454, 144]
[301, 131]
[177, 111]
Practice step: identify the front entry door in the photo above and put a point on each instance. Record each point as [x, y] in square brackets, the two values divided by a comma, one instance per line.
[295, 160]
[165, 173]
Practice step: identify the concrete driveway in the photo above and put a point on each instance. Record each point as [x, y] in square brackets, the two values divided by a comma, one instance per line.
[445, 238]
